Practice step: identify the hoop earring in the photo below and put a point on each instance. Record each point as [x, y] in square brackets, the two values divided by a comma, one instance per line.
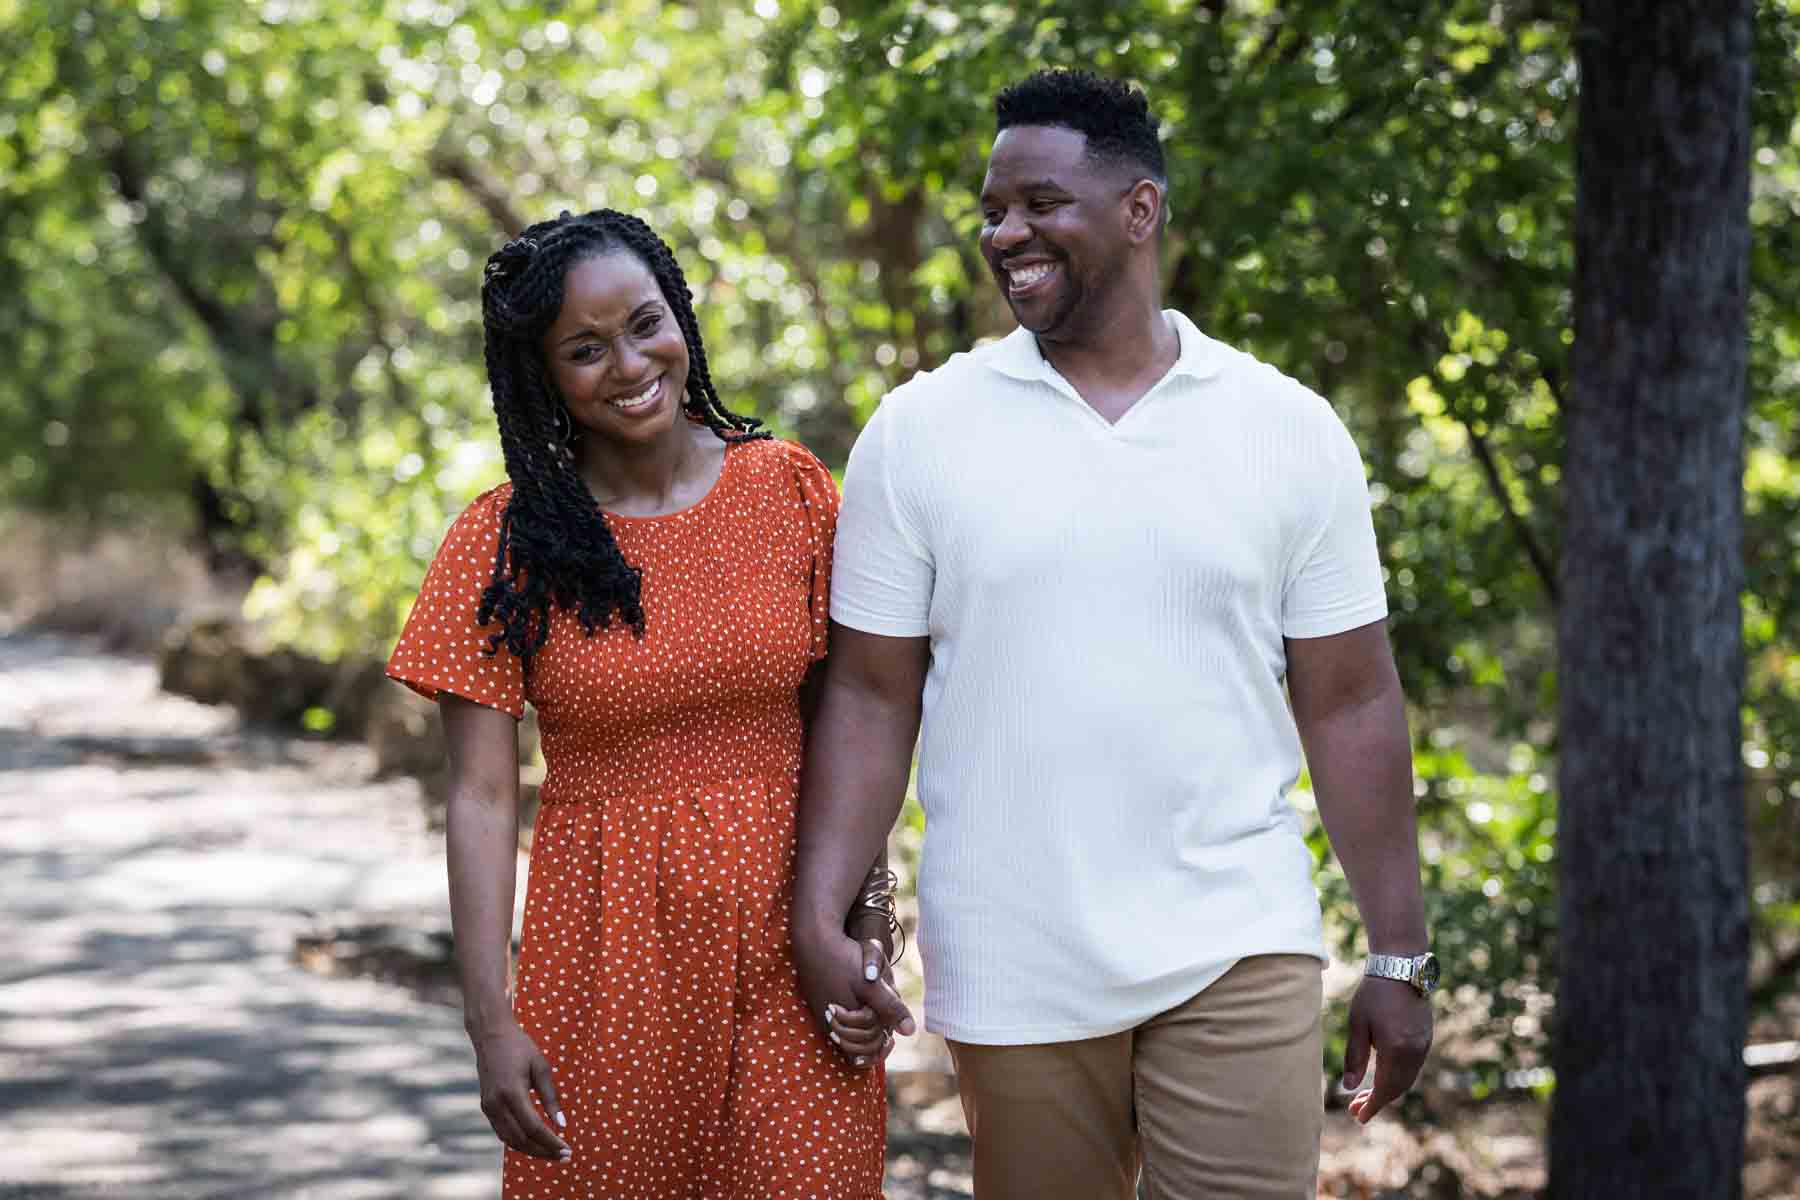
[563, 429]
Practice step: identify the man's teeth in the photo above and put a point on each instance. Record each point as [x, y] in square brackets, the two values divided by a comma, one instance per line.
[1024, 277]
[638, 398]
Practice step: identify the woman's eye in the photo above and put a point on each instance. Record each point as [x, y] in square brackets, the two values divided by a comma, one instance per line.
[648, 326]
[586, 353]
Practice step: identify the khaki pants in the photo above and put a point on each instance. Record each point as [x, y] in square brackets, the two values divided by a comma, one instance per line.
[1222, 1096]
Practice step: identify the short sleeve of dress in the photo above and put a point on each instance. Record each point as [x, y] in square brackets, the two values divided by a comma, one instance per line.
[442, 649]
[819, 496]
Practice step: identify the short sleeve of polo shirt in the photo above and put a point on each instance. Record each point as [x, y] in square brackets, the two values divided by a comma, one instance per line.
[883, 569]
[1334, 583]
[442, 649]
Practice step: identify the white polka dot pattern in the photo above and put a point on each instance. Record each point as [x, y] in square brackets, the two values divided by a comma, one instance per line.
[656, 972]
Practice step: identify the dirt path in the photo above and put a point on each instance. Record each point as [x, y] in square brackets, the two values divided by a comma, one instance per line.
[157, 1039]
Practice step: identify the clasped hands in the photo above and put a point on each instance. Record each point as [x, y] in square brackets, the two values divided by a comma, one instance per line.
[849, 986]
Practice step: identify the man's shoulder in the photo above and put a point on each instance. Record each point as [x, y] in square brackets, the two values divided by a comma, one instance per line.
[959, 379]
[1264, 390]
[965, 369]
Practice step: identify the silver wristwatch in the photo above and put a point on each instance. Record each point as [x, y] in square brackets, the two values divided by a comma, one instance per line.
[1418, 970]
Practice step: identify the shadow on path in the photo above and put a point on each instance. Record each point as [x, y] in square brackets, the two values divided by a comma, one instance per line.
[157, 1040]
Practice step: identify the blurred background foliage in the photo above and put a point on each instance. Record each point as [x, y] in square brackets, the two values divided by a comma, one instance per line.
[243, 242]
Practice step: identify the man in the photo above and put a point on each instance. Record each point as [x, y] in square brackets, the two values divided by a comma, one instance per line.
[1090, 555]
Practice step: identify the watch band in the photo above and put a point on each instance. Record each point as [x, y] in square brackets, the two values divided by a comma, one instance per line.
[1403, 968]
[1391, 966]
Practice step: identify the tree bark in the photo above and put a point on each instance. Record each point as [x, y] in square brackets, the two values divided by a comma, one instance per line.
[1651, 1010]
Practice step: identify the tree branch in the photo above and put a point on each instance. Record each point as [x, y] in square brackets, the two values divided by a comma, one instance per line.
[245, 341]
[1534, 550]
[457, 167]
[1428, 346]
[159, 243]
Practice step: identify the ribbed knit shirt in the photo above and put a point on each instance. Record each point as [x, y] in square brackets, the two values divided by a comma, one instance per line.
[1106, 747]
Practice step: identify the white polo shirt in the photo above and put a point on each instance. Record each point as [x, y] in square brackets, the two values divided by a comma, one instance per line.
[1106, 747]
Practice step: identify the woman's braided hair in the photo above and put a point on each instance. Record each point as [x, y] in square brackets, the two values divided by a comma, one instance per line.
[555, 547]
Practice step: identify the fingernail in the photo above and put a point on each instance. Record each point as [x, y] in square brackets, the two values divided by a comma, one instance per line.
[831, 1012]
[861, 1062]
[835, 1039]
[562, 1122]
[871, 972]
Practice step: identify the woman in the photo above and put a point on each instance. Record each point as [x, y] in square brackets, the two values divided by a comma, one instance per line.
[653, 580]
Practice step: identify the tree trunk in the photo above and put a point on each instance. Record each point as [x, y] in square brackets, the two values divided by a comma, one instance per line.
[1651, 1011]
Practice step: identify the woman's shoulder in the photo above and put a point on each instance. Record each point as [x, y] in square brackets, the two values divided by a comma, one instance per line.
[780, 457]
[487, 508]
[791, 478]
[477, 527]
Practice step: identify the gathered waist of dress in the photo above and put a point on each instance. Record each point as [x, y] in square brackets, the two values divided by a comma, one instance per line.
[583, 784]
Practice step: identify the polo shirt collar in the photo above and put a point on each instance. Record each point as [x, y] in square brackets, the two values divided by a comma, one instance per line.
[1017, 355]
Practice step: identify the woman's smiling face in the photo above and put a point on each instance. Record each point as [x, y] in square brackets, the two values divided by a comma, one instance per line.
[616, 352]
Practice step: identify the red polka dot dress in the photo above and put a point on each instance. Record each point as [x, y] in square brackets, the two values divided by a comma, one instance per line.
[656, 972]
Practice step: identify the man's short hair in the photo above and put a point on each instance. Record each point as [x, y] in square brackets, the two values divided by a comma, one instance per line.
[1114, 116]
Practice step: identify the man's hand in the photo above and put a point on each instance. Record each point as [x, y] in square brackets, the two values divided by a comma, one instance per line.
[859, 1033]
[838, 973]
[511, 1068]
[1392, 1019]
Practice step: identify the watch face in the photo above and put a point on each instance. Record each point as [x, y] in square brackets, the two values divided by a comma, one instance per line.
[1428, 973]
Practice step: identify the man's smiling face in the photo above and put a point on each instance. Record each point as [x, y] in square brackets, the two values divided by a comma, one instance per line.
[1052, 226]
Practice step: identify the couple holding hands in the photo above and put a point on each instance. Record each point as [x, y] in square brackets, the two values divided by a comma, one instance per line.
[1108, 576]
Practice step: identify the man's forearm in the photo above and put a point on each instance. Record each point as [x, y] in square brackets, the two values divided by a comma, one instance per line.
[872, 914]
[1360, 757]
[858, 757]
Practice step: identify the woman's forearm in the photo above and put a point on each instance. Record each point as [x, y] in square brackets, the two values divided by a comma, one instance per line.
[482, 835]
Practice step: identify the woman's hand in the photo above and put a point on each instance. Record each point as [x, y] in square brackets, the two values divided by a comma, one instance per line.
[841, 980]
[859, 1033]
[511, 1068]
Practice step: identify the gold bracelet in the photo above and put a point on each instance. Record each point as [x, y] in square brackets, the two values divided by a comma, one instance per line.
[877, 897]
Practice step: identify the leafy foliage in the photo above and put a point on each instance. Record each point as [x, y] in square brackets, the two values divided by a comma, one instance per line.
[245, 240]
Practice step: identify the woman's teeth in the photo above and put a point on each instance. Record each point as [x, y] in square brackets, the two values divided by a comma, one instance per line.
[638, 399]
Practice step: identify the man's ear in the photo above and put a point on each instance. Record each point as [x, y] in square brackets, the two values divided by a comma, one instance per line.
[1146, 208]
